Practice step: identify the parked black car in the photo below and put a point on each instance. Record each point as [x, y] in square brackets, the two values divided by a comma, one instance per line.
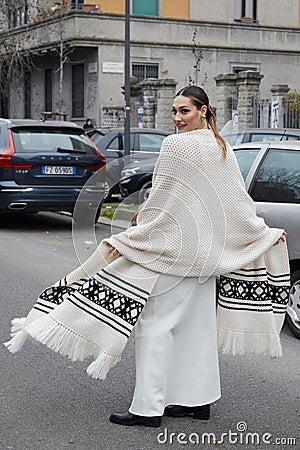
[137, 178]
[43, 165]
[260, 135]
[144, 143]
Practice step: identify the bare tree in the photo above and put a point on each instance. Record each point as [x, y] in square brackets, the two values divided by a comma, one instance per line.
[198, 56]
[15, 60]
[56, 31]
[18, 42]
[63, 50]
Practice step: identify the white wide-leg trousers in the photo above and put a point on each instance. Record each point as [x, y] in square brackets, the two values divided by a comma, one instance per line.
[176, 347]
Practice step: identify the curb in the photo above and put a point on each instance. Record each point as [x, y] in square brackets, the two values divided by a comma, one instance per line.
[122, 221]
[119, 223]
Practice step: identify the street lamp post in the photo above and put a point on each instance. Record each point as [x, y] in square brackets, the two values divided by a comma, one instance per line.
[127, 79]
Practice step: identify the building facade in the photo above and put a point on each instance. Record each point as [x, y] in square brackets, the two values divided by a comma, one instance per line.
[77, 50]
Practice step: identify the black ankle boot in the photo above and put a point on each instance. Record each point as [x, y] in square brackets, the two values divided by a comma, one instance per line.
[196, 412]
[129, 419]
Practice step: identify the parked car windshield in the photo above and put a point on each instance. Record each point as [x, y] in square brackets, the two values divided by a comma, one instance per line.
[234, 139]
[50, 140]
[262, 137]
[257, 135]
[151, 142]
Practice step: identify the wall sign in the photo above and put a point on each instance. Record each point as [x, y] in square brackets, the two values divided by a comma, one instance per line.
[113, 67]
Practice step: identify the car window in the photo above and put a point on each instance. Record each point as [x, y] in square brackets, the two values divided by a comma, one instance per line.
[50, 140]
[262, 137]
[235, 138]
[245, 158]
[150, 142]
[278, 179]
[118, 144]
[3, 138]
[291, 137]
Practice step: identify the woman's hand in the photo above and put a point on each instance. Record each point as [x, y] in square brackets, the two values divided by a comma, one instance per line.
[112, 251]
[282, 238]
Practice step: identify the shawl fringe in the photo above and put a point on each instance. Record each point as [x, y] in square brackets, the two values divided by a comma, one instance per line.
[17, 325]
[99, 368]
[60, 339]
[244, 342]
[66, 342]
[18, 334]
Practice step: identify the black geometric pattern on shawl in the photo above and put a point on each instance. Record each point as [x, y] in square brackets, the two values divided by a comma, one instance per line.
[57, 294]
[244, 289]
[240, 292]
[115, 302]
[279, 294]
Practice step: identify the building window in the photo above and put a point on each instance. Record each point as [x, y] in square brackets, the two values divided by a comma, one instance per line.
[142, 71]
[77, 4]
[245, 10]
[48, 90]
[18, 11]
[78, 90]
[148, 8]
[237, 69]
[27, 95]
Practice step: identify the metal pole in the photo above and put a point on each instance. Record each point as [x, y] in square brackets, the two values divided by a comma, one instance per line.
[127, 79]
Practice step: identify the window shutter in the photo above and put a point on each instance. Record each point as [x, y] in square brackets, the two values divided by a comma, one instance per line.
[147, 8]
[237, 9]
[249, 9]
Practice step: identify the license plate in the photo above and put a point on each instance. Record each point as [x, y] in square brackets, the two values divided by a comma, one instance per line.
[58, 170]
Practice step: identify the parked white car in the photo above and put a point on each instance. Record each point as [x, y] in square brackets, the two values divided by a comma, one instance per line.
[272, 176]
[271, 171]
[237, 137]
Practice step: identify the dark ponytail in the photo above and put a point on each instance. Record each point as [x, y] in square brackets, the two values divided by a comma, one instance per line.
[199, 98]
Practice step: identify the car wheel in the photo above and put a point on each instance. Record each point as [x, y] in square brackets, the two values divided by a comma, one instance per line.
[293, 308]
[144, 191]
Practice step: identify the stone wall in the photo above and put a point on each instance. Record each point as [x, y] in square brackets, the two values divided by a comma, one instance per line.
[241, 92]
[158, 95]
[241, 89]
[226, 93]
[247, 88]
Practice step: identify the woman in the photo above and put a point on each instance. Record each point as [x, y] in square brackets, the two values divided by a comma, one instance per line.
[172, 367]
[159, 276]
[88, 125]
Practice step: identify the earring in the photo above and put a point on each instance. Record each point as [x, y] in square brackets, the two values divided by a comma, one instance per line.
[203, 116]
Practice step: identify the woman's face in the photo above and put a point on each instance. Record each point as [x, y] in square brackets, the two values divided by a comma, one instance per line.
[186, 116]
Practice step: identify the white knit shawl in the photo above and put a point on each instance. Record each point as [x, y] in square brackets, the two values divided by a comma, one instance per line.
[199, 220]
